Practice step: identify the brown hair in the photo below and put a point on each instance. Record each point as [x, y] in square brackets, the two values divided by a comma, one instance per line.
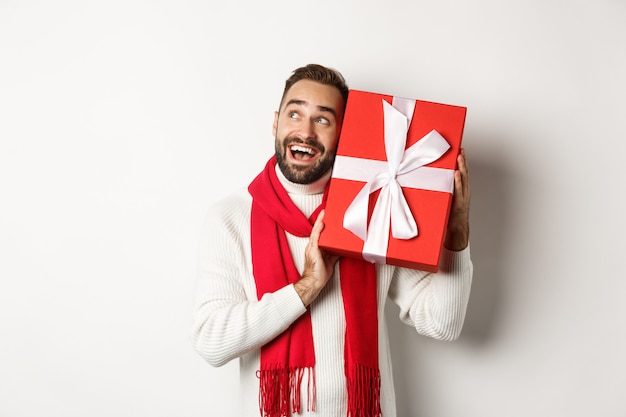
[320, 74]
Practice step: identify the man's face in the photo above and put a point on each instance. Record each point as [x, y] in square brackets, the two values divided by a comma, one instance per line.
[306, 129]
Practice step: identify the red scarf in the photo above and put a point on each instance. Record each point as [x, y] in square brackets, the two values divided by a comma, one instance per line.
[286, 359]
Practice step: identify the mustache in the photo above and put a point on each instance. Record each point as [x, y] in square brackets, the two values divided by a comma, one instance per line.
[309, 142]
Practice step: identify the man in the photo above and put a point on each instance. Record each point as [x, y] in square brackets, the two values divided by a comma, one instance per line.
[309, 330]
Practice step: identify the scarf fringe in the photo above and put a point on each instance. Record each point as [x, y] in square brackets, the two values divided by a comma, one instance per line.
[279, 388]
[364, 392]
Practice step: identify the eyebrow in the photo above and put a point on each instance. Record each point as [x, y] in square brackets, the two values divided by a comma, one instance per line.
[304, 102]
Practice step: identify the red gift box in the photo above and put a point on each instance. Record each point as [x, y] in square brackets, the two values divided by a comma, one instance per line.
[391, 188]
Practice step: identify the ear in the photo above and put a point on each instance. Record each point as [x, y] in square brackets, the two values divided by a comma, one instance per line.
[275, 124]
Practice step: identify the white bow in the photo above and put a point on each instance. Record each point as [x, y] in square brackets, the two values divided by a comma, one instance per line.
[402, 168]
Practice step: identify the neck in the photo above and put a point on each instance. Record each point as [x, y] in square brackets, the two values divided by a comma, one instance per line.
[307, 197]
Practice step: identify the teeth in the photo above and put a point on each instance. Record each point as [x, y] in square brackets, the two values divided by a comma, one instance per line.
[302, 149]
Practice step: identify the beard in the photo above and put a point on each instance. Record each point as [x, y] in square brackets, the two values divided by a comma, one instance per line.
[303, 174]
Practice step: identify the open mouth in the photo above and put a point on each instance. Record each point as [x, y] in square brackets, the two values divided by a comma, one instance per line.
[301, 152]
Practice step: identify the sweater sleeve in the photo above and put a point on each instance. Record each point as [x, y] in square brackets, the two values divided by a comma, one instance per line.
[228, 319]
[435, 303]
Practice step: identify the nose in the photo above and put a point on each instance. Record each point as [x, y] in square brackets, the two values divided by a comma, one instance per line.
[307, 130]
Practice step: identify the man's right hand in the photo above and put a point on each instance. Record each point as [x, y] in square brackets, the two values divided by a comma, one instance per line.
[318, 266]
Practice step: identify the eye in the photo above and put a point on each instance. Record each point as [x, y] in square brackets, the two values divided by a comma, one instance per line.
[322, 121]
[293, 115]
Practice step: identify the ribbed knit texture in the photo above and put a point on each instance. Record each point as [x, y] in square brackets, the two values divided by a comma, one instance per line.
[229, 321]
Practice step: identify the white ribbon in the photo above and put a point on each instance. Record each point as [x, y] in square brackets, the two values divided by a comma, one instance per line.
[402, 169]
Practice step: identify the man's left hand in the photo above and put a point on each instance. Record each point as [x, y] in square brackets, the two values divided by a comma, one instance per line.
[457, 234]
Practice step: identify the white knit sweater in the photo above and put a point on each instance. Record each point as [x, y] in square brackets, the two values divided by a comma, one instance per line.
[230, 322]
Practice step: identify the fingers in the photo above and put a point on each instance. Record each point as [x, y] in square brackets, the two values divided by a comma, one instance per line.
[312, 251]
[318, 226]
[318, 266]
[457, 233]
[461, 176]
[313, 244]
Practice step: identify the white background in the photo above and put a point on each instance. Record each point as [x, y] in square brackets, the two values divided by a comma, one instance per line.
[121, 121]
